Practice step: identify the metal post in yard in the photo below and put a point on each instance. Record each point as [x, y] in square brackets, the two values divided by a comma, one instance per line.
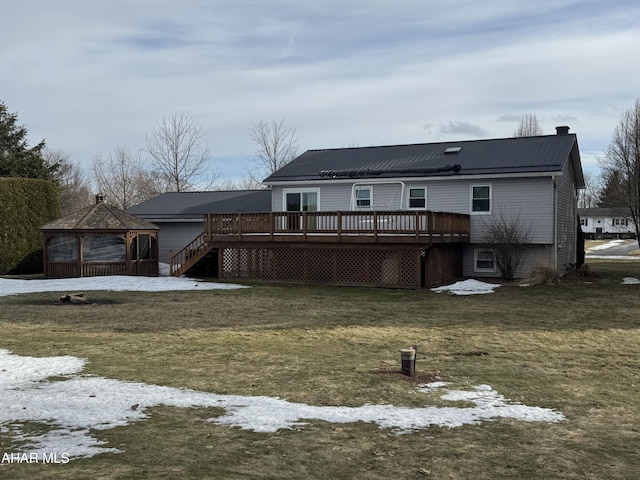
[408, 361]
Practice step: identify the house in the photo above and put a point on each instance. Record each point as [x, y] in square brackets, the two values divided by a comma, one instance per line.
[179, 215]
[100, 240]
[600, 223]
[404, 215]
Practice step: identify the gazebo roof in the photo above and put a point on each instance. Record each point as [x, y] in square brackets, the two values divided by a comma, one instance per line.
[100, 216]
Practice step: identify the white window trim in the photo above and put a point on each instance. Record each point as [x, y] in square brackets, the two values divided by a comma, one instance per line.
[411, 187]
[354, 197]
[298, 190]
[471, 187]
[476, 251]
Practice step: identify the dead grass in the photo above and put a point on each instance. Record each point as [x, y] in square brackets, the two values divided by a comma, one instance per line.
[573, 347]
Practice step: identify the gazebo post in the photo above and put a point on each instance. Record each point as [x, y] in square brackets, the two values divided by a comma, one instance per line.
[79, 242]
[127, 255]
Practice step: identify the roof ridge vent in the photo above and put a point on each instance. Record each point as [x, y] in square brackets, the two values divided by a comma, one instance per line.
[452, 150]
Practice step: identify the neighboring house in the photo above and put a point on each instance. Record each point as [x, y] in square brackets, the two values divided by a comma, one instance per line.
[404, 215]
[600, 223]
[179, 215]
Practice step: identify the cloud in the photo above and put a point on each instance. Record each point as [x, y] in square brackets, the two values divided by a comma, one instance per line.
[89, 76]
[455, 129]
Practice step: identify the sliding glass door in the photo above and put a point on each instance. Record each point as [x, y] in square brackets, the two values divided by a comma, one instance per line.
[300, 201]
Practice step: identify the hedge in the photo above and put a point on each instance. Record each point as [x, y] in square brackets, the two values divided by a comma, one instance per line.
[25, 205]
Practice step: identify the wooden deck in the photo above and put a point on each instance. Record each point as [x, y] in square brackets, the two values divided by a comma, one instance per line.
[391, 228]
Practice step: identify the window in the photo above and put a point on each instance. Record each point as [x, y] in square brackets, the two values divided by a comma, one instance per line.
[485, 261]
[480, 198]
[584, 222]
[303, 200]
[620, 222]
[364, 196]
[418, 198]
[300, 200]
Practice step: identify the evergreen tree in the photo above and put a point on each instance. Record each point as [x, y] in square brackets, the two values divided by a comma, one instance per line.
[16, 158]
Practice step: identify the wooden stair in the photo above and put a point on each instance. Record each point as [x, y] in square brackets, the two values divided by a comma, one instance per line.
[190, 255]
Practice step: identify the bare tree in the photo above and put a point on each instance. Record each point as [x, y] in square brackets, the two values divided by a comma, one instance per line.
[123, 180]
[529, 127]
[73, 182]
[244, 183]
[508, 237]
[589, 196]
[178, 152]
[276, 145]
[621, 164]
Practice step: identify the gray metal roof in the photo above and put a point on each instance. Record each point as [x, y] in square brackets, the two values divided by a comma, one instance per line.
[519, 155]
[189, 205]
[619, 212]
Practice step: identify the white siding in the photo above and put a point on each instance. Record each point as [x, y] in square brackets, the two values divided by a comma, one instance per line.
[529, 198]
[535, 256]
[607, 226]
[567, 219]
[175, 236]
[332, 197]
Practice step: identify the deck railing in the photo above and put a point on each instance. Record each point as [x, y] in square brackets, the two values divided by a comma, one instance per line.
[185, 258]
[418, 223]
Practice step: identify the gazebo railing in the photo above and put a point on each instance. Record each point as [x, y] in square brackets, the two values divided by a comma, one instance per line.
[96, 269]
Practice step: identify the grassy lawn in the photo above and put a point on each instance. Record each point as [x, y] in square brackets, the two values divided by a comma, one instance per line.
[573, 347]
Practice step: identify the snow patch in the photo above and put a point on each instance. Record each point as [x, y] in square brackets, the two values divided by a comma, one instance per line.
[604, 246]
[630, 281]
[75, 406]
[114, 283]
[467, 287]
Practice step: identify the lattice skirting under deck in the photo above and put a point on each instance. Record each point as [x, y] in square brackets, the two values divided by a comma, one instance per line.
[347, 266]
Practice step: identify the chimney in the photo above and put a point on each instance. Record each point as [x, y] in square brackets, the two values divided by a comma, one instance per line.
[99, 198]
[562, 130]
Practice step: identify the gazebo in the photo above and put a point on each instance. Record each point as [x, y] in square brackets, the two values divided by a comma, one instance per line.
[100, 240]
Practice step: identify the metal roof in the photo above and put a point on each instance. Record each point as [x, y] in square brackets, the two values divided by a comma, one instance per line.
[517, 155]
[187, 205]
[100, 216]
[619, 212]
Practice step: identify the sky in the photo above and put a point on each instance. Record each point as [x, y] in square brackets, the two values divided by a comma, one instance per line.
[90, 76]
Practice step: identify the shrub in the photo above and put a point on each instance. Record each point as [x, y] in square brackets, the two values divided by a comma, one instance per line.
[25, 205]
[543, 275]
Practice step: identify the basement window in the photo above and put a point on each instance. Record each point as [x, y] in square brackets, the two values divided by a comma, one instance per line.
[485, 260]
